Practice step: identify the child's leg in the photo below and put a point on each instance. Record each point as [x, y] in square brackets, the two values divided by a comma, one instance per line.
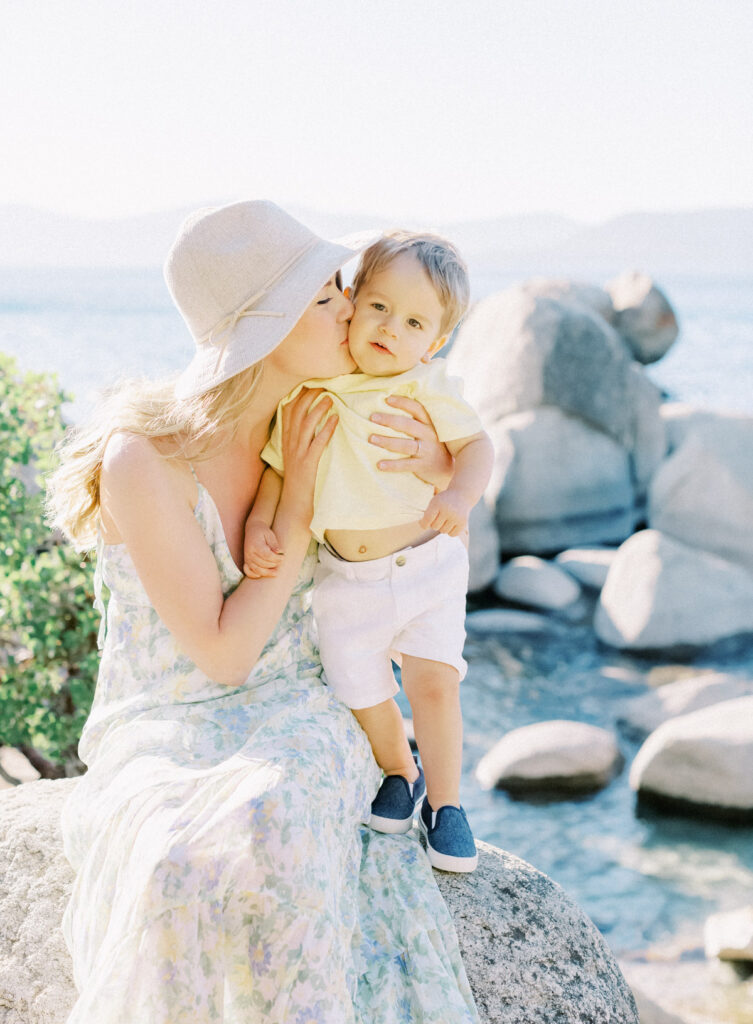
[433, 690]
[383, 724]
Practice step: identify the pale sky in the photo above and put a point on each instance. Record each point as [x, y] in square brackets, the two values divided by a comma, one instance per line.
[440, 110]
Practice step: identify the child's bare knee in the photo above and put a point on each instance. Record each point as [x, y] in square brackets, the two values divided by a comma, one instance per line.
[432, 682]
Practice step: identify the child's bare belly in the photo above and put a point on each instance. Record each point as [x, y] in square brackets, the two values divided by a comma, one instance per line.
[362, 545]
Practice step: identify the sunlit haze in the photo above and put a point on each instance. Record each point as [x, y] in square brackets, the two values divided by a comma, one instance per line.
[441, 110]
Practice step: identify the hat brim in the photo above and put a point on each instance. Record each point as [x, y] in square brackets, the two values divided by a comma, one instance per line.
[254, 337]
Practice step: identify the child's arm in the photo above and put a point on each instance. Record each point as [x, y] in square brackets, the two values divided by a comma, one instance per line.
[261, 552]
[448, 511]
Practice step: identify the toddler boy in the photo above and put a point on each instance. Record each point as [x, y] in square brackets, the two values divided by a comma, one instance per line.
[393, 565]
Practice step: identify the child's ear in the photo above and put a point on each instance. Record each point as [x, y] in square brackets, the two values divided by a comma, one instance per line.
[433, 348]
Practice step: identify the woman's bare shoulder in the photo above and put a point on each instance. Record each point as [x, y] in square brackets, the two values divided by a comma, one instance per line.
[135, 475]
[134, 458]
[129, 453]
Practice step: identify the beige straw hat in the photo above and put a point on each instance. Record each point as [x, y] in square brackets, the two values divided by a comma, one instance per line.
[242, 276]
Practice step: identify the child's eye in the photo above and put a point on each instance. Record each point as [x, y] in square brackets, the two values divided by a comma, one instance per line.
[378, 306]
[415, 323]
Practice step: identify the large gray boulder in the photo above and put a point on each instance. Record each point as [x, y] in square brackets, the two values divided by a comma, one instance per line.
[483, 547]
[661, 594]
[701, 762]
[680, 418]
[597, 299]
[530, 952]
[560, 483]
[575, 421]
[642, 315]
[703, 493]
[521, 349]
[650, 434]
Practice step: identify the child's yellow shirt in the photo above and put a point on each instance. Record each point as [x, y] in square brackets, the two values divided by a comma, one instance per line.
[351, 493]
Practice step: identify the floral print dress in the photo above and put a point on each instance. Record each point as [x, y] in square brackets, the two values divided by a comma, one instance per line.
[222, 871]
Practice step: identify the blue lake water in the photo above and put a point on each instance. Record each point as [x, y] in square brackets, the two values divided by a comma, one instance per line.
[93, 326]
[642, 880]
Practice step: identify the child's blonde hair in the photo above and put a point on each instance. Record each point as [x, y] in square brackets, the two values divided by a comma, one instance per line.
[150, 409]
[439, 258]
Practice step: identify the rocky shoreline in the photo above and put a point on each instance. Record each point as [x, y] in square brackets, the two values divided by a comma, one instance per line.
[612, 502]
[588, 451]
[614, 507]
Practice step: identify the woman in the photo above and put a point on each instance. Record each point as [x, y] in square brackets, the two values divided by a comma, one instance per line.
[222, 874]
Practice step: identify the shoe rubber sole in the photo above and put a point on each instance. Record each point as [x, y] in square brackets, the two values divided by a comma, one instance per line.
[391, 826]
[444, 861]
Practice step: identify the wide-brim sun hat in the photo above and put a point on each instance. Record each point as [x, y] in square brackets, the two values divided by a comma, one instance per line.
[242, 275]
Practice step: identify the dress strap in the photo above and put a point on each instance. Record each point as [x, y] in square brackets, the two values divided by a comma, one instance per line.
[195, 480]
[99, 603]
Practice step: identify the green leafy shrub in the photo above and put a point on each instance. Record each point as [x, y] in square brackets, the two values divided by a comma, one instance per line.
[48, 627]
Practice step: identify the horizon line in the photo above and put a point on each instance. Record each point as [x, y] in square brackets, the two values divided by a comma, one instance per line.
[119, 218]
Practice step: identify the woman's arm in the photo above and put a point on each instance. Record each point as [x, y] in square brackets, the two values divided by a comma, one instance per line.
[146, 497]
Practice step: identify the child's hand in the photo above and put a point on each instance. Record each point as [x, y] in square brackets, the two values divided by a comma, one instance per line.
[261, 552]
[447, 512]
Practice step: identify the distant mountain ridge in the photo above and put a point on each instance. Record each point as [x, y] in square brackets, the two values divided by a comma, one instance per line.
[704, 241]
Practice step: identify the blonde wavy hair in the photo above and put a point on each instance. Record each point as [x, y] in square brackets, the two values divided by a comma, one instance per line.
[198, 426]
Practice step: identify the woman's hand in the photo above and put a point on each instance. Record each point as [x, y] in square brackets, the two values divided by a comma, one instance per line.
[306, 430]
[423, 453]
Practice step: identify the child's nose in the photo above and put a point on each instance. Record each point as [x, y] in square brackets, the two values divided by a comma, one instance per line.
[387, 327]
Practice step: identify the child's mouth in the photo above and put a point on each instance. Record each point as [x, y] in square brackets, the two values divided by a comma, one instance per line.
[380, 348]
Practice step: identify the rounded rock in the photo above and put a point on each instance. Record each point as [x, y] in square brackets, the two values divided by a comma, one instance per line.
[536, 582]
[640, 716]
[643, 315]
[702, 494]
[564, 290]
[508, 620]
[483, 547]
[551, 756]
[589, 566]
[529, 951]
[564, 483]
[519, 350]
[700, 763]
[664, 595]
[729, 935]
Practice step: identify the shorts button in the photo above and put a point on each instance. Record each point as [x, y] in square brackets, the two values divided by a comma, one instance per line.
[400, 560]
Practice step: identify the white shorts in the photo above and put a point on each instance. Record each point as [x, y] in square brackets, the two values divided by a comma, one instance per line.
[369, 613]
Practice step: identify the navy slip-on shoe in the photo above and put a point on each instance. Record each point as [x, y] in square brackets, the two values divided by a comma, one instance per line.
[450, 845]
[395, 803]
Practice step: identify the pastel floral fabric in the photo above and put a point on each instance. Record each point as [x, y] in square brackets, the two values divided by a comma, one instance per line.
[222, 873]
